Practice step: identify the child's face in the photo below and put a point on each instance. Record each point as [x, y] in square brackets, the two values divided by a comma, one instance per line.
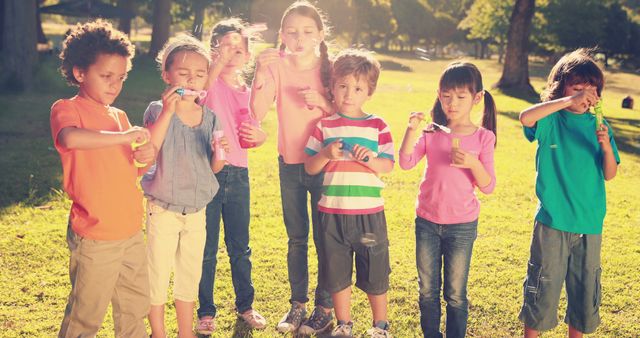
[350, 93]
[234, 44]
[189, 70]
[458, 102]
[102, 81]
[300, 34]
[571, 90]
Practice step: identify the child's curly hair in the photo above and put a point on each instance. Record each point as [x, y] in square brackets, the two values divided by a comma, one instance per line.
[86, 41]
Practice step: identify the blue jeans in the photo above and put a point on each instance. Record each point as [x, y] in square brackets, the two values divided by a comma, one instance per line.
[454, 243]
[232, 204]
[295, 183]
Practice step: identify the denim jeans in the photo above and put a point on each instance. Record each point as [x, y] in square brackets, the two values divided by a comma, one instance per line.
[295, 183]
[232, 204]
[454, 243]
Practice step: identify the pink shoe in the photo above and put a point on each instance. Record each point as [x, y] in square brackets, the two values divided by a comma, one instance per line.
[254, 319]
[206, 325]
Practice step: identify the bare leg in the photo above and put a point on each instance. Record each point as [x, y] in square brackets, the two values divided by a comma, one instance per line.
[530, 333]
[342, 304]
[574, 333]
[184, 312]
[378, 307]
[156, 321]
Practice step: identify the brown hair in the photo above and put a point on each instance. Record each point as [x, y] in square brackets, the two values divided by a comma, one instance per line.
[227, 26]
[180, 43]
[577, 67]
[86, 41]
[359, 63]
[465, 75]
[306, 9]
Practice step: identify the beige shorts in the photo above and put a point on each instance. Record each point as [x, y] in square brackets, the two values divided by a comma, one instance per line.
[174, 240]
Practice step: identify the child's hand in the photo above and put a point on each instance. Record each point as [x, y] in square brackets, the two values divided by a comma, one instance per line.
[137, 134]
[414, 120]
[252, 134]
[585, 98]
[145, 153]
[221, 55]
[169, 99]
[222, 143]
[266, 58]
[603, 138]
[463, 159]
[360, 152]
[312, 98]
[333, 150]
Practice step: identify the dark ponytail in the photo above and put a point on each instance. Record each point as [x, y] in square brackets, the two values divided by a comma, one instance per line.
[325, 69]
[489, 116]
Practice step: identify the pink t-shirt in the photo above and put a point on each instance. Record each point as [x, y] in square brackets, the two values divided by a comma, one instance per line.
[295, 120]
[226, 102]
[447, 194]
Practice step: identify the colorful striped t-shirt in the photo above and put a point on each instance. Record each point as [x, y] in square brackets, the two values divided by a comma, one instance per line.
[350, 187]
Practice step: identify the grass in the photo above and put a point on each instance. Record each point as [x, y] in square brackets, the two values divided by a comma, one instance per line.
[33, 213]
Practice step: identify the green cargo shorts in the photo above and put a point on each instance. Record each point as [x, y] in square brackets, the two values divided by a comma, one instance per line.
[559, 257]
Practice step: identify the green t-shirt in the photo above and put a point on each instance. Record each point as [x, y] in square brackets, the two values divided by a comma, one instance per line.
[570, 180]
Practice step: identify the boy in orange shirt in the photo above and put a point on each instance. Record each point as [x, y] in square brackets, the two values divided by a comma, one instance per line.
[108, 255]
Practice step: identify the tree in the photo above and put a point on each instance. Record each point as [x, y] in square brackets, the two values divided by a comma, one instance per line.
[161, 25]
[515, 73]
[488, 22]
[124, 23]
[19, 39]
[373, 17]
[414, 19]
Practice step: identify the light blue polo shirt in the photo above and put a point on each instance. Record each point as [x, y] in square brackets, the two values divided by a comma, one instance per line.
[181, 180]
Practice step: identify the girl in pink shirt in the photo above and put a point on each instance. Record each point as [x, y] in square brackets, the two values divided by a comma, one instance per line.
[228, 97]
[459, 159]
[297, 76]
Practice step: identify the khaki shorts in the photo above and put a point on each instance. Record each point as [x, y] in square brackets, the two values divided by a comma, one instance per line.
[557, 258]
[174, 240]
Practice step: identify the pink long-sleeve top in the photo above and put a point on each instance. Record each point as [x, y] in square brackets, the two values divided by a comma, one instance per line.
[296, 121]
[447, 194]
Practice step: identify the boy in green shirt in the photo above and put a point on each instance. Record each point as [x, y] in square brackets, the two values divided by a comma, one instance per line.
[573, 159]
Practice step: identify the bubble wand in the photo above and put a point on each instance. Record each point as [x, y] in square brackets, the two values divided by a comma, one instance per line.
[201, 94]
[597, 109]
[349, 147]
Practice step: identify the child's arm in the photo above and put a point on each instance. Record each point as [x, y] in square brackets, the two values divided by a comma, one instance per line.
[313, 98]
[481, 166]
[314, 164]
[379, 165]
[220, 56]
[609, 163]
[263, 94]
[533, 114]
[217, 165]
[408, 146]
[81, 138]
[160, 125]
[253, 134]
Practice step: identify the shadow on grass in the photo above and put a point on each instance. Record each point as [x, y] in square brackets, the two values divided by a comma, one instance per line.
[392, 65]
[524, 95]
[628, 141]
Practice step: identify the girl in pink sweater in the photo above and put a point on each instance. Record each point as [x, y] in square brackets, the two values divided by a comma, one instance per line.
[460, 158]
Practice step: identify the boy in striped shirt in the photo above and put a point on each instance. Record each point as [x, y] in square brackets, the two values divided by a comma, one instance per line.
[353, 148]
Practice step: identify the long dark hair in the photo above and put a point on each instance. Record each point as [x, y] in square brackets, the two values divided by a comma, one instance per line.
[306, 9]
[577, 67]
[465, 75]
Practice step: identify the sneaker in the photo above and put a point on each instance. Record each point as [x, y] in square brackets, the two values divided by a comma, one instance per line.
[317, 322]
[206, 325]
[342, 329]
[292, 320]
[254, 319]
[380, 330]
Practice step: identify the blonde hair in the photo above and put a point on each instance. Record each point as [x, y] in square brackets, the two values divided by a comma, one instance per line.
[180, 43]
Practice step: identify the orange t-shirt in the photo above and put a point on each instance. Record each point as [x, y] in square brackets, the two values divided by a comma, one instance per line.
[101, 182]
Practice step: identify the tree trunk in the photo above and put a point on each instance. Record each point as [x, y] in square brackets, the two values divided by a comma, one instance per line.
[515, 73]
[19, 39]
[124, 23]
[161, 25]
[198, 20]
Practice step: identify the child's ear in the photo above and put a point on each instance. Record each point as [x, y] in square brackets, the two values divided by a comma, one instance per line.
[165, 77]
[478, 97]
[78, 74]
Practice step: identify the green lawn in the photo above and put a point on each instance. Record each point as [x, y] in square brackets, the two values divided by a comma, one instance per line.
[33, 213]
